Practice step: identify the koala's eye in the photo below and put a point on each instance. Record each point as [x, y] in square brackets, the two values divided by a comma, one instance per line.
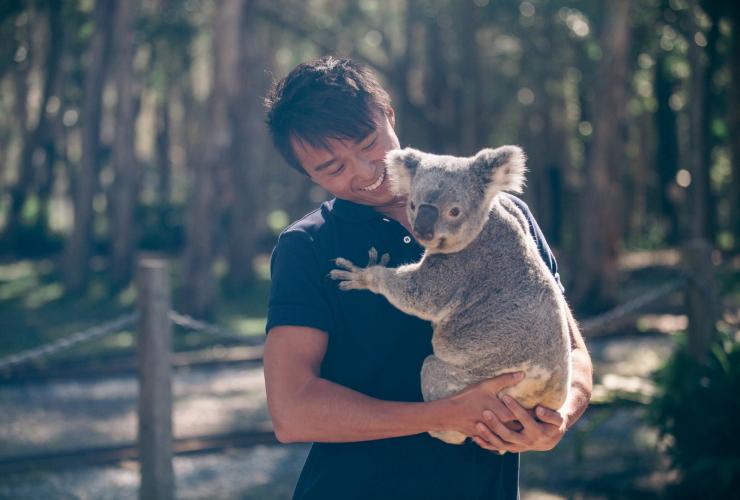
[413, 207]
[454, 212]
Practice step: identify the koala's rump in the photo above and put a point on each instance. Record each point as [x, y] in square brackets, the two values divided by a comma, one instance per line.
[509, 316]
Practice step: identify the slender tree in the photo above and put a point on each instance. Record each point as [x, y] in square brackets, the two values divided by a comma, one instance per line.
[218, 147]
[733, 114]
[595, 283]
[79, 245]
[37, 140]
[248, 209]
[125, 166]
[699, 206]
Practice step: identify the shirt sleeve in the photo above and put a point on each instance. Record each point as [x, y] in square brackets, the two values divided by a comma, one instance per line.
[540, 240]
[297, 294]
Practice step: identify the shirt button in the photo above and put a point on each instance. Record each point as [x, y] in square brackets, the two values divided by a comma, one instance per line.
[407, 239]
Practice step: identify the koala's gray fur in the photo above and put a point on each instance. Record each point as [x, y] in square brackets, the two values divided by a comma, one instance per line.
[494, 304]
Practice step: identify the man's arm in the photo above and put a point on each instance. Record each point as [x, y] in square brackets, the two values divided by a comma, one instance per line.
[581, 385]
[307, 408]
[550, 427]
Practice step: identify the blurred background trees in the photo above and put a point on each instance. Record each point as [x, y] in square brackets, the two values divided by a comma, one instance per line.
[131, 126]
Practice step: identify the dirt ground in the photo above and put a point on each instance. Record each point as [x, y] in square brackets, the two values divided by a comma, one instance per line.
[610, 453]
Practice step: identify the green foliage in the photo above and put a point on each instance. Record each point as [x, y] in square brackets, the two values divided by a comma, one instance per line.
[696, 414]
[161, 227]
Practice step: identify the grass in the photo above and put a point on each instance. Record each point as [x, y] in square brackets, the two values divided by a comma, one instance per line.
[35, 310]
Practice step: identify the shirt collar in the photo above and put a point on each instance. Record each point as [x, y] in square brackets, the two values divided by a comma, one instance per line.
[351, 211]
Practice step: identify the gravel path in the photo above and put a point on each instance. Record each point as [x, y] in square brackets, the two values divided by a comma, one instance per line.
[610, 453]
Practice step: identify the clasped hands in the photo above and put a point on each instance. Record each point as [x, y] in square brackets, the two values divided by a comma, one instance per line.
[504, 425]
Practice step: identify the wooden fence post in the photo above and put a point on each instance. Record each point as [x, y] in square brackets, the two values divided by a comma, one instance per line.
[702, 300]
[154, 347]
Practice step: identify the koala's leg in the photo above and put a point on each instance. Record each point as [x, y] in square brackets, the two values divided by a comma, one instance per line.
[404, 287]
[439, 380]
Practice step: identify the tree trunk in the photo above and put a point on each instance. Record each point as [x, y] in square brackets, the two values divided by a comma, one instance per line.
[666, 156]
[595, 284]
[203, 216]
[37, 139]
[734, 121]
[247, 213]
[79, 245]
[162, 144]
[124, 161]
[699, 190]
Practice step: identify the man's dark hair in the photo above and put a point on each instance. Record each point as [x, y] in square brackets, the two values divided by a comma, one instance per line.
[327, 98]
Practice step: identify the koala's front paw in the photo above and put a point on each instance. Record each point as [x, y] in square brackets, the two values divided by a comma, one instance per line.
[357, 278]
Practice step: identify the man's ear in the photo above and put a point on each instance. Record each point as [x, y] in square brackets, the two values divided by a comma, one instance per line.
[402, 165]
[390, 113]
[501, 169]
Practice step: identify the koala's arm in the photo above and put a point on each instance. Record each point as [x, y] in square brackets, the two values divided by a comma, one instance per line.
[414, 288]
[411, 288]
[581, 384]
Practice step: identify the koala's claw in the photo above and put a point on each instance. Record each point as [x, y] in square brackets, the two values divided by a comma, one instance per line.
[373, 258]
[341, 262]
[352, 277]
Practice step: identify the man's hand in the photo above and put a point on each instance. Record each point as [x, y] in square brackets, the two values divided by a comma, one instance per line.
[462, 411]
[539, 432]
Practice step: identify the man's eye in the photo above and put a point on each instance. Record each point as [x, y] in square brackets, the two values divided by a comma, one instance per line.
[370, 146]
[339, 169]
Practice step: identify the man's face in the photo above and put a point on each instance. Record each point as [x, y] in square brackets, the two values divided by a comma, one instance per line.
[353, 170]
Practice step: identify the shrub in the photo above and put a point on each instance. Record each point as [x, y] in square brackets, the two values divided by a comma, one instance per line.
[697, 414]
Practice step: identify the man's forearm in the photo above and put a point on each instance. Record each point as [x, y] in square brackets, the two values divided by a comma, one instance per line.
[323, 411]
[581, 384]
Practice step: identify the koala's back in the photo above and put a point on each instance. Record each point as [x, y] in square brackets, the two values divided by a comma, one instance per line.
[507, 314]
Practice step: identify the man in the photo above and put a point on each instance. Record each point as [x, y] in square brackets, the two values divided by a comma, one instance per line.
[342, 368]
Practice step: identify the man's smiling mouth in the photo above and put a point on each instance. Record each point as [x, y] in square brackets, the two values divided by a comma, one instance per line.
[375, 185]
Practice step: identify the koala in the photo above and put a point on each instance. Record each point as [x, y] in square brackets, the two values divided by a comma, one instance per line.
[494, 305]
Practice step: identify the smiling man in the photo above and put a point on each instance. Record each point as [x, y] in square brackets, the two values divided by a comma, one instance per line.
[342, 369]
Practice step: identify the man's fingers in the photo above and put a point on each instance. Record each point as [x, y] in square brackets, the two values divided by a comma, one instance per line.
[507, 379]
[501, 411]
[549, 416]
[519, 412]
[503, 432]
[482, 443]
[489, 437]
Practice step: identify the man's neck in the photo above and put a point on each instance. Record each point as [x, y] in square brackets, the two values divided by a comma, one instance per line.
[397, 213]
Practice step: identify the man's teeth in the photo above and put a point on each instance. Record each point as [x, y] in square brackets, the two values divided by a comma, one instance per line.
[375, 185]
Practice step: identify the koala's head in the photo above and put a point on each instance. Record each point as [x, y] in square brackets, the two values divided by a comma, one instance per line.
[449, 198]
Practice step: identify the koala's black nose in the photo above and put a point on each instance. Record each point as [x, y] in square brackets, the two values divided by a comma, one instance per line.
[424, 223]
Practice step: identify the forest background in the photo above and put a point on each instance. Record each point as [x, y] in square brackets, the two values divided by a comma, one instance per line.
[136, 127]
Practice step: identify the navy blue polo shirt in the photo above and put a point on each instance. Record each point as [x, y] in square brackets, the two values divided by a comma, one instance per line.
[377, 350]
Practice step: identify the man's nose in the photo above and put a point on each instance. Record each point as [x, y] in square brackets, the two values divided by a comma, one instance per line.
[424, 223]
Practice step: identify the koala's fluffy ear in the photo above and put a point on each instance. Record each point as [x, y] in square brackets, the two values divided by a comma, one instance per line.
[402, 165]
[501, 168]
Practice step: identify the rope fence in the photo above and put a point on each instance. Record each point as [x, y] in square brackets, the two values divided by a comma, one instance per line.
[87, 335]
[99, 331]
[591, 327]
[606, 322]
